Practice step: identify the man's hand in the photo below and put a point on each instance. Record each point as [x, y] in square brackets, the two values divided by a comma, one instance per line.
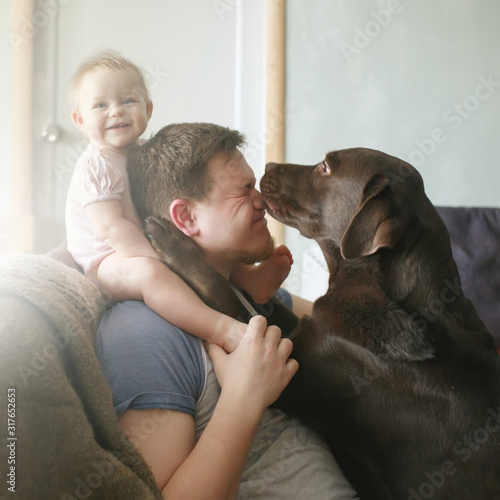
[259, 369]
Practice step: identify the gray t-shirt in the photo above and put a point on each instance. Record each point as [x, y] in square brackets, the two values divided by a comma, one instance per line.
[151, 364]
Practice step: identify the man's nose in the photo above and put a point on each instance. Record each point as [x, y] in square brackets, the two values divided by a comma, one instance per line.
[258, 200]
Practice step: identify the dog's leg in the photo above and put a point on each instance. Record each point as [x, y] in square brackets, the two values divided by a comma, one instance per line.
[185, 258]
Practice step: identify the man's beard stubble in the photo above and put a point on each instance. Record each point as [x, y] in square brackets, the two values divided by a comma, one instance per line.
[257, 255]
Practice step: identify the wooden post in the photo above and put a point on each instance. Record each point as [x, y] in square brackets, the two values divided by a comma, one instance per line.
[18, 230]
[275, 93]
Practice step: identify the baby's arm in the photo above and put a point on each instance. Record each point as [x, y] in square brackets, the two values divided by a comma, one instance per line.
[135, 272]
[120, 234]
[263, 280]
[170, 297]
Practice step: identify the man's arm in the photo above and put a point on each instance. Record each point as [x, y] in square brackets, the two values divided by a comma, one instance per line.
[251, 378]
[210, 470]
[169, 440]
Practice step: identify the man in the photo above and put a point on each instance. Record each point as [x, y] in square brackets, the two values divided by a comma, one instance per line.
[201, 440]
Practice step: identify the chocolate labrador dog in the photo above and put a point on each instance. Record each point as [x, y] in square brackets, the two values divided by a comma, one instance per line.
[397, 371]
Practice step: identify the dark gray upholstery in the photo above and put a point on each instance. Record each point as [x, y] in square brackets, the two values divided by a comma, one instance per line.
[475, 238]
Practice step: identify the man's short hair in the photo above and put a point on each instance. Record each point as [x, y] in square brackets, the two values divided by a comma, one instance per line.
[173, 165]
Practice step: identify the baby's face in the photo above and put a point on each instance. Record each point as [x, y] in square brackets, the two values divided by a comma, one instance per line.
[113, 111]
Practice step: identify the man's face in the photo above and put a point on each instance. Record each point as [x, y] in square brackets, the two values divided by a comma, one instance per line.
[231, 223]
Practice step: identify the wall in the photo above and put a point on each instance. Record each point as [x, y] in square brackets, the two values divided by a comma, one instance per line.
[400, 76]
[5, 115]
[416, 79]
[204, 61]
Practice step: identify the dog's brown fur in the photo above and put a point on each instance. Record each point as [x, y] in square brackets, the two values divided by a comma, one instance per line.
[397, 371]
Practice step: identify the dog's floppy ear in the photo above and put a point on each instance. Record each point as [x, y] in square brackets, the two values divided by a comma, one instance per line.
[376, 224]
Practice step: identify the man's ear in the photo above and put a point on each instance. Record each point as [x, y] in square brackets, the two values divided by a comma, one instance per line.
[182, 215]
[376, 224]
[78, 120]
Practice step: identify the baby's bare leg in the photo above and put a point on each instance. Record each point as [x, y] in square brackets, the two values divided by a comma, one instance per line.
[119, 278]
[148, 279]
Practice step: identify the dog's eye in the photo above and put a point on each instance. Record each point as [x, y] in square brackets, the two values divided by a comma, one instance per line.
[324, 168]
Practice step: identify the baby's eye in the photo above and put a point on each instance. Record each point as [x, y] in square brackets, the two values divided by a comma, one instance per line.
[128, 100]
[100, 105]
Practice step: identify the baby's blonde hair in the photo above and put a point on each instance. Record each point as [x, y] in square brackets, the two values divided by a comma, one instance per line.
[107, 60]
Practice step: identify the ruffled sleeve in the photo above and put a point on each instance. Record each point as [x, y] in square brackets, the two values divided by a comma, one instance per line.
[101, 179]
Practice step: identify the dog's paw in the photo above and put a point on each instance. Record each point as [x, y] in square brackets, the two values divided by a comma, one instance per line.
[172, 245]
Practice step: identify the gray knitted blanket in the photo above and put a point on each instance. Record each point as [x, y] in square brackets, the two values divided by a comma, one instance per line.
[60, 437]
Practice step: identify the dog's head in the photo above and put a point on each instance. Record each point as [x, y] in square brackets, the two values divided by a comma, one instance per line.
[359, 199]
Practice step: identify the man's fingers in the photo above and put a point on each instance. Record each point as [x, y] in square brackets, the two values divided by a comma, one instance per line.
[292, 366]
[215, 352]
[256, 326]
[273, 334]
[285, 347]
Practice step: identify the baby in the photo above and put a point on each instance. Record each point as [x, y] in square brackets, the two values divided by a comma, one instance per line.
[112, 106]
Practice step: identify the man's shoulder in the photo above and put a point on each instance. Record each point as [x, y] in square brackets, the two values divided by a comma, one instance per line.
[132, 329]
[148, 362]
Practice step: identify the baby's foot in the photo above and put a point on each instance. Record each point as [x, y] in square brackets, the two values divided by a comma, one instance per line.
[271, 273]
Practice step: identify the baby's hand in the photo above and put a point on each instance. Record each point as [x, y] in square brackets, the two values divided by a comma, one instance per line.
[256, 372]
[228, 333]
